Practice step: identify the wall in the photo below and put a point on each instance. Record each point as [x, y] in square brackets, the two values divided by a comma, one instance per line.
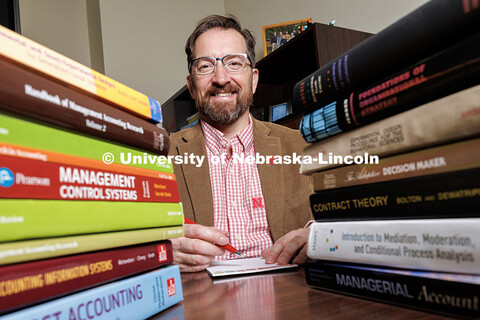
[58, 24]
[144, 40]
[141, 43]
[364, 15]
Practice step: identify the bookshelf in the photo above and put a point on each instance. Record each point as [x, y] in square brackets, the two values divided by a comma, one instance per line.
[279, 72]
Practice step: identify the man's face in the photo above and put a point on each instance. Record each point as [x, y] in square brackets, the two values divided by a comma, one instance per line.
[222, 96]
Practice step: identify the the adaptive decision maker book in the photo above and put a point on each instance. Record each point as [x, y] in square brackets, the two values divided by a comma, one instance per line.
[47, 62]
[29, 283]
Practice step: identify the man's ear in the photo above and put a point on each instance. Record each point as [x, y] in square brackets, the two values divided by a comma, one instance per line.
[190, 86]
[254, 80]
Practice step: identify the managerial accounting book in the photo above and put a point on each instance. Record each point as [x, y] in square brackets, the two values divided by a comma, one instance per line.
[137, 297]
[445, 293]
[445, 245]
[29, 283]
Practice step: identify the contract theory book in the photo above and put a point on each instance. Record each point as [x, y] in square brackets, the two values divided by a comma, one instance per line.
[137, 297]
[444, 245]
[448, 195]
[33, 282]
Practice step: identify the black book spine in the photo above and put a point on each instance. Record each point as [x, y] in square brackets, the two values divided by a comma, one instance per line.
[446, 195]
[28, 94]
[434, 26]
[449, 71]
[417, 290]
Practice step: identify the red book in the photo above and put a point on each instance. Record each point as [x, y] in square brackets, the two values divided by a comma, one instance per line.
[34, 282]
[35, 179]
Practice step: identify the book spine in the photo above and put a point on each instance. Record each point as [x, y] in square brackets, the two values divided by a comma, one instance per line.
[21, 251]
[429, 125]
[28, 94]
[138, 297]
[21, 152]
[432, 27]
[25, 284]
[30, 219]
[29, 134]
[412, 290]
[34, 179]
[434, 196]
[446, 158]
[47, 62]
[445, 245]
[449, 71]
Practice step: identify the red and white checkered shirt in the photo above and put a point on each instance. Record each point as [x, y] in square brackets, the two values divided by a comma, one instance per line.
[238, 204]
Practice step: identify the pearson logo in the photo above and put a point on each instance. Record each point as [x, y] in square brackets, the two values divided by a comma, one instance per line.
[6, 177]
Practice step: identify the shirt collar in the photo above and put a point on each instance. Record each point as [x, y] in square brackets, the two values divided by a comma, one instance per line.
[215, 140]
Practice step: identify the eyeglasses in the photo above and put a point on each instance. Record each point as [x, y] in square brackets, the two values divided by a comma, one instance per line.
[232, 62]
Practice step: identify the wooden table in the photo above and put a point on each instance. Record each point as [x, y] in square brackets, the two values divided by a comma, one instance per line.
[275, 296]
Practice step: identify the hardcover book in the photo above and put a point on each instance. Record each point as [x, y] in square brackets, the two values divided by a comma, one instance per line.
[432, 27]
[138, 297]
[26, 93]
[35, 179]
[449, 119]
[33, 282]
[452, 194]
[28, 250]
[445, 245]
[445, 293]
[447, 158]
[14, 130]
[47, 62]
[449, 71]
[30, 219]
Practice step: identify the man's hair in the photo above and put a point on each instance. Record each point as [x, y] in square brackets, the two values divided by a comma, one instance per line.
[217, 21]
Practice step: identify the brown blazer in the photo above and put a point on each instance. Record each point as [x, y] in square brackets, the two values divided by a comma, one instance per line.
[285, 191]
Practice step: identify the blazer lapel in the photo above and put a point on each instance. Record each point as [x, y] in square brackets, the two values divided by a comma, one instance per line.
[270, 177]
[197, 178]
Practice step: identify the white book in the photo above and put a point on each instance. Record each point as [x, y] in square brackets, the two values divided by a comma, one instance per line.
[450, 245]
[454, 117]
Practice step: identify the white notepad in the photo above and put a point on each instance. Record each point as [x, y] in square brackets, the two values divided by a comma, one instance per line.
[243, 266]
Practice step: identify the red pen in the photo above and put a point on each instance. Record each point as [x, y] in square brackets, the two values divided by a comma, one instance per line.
[227, 247]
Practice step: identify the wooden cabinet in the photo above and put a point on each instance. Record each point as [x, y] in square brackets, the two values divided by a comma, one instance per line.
[279, 72]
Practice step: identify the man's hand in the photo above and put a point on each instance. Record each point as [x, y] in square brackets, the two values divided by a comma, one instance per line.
[291, 244]
[196, 249]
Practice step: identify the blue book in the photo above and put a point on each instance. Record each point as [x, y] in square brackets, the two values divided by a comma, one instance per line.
[138, 297]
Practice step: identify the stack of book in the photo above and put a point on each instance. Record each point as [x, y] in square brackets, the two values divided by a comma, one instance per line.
[395, 161]
[88, 199]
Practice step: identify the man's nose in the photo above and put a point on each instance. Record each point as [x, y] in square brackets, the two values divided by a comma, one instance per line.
[220, 74]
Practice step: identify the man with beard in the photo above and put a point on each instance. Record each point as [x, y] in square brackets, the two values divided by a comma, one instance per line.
[260, 209]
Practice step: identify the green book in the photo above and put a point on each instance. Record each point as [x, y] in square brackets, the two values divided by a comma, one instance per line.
[30, 219]
[20, 251]
[34, 135]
